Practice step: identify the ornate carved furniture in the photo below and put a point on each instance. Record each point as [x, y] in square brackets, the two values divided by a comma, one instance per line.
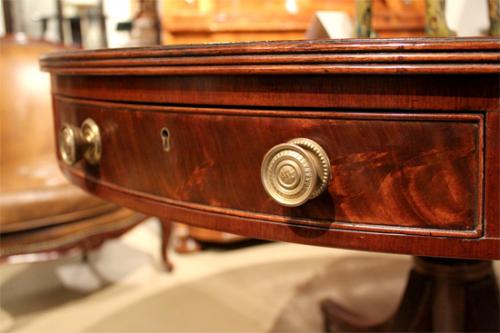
[385, 145]
[40, 211]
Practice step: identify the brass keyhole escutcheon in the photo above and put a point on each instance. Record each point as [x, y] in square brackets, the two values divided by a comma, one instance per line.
[165, 138]
[77, 143]
[294, 172]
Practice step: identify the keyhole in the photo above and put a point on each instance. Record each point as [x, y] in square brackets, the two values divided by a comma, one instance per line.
[165, 137]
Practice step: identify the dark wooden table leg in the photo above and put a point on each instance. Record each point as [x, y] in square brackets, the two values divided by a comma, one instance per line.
[166, 231]
[442, 295]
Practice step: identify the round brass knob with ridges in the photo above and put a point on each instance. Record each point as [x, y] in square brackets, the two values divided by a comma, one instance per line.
[77, 143]
[295, 172]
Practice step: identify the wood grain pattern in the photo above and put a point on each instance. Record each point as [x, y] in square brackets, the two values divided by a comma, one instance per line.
[422, 173]
[492, 175]
[335, 56]
[483, 248]
[439, 93]
[378, 46]
[413, 142]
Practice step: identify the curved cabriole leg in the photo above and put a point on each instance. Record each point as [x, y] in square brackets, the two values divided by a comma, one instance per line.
[165, 230]
[442, 295]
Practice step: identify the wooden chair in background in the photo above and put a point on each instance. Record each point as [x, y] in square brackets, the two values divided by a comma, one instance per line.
[40, 212]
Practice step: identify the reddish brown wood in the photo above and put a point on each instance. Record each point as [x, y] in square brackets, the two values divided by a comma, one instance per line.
[411, 127]
[370, 47]
[383, 92]
[270, 20]
[166, 233]
[406, 141]
[420, 176]
[396, 174]
[492, 177]
[290, 59]
[441, 295]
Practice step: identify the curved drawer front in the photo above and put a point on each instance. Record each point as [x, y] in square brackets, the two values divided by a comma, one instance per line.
[390, 172]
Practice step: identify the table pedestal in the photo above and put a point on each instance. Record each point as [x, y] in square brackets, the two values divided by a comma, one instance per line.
[441, 295]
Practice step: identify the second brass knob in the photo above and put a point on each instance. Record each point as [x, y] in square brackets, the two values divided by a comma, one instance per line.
[77, 143]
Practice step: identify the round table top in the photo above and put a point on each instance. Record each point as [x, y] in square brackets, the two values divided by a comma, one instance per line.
[409, 128]
[352, 56]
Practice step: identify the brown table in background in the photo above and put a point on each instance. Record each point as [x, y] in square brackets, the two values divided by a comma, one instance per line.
[408, 155]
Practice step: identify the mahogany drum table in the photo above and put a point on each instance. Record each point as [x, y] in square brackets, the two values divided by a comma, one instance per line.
[387, 145]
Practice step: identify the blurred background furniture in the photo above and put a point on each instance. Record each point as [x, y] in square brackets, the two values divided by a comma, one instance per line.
[201, 21]
[77, 23]
[74, 17]
[187, 239]
[40, 212]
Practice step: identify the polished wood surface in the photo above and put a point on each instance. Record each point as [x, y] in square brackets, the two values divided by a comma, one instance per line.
[165, 232]
[405, 122]
[411, 128]
[441, 295]
[352, 56]
[420, 176]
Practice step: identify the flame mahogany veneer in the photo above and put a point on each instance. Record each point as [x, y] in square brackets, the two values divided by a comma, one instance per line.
[410, 126]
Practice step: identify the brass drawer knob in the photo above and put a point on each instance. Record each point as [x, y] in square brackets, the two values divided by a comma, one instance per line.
[77, 143]
[294, 172]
